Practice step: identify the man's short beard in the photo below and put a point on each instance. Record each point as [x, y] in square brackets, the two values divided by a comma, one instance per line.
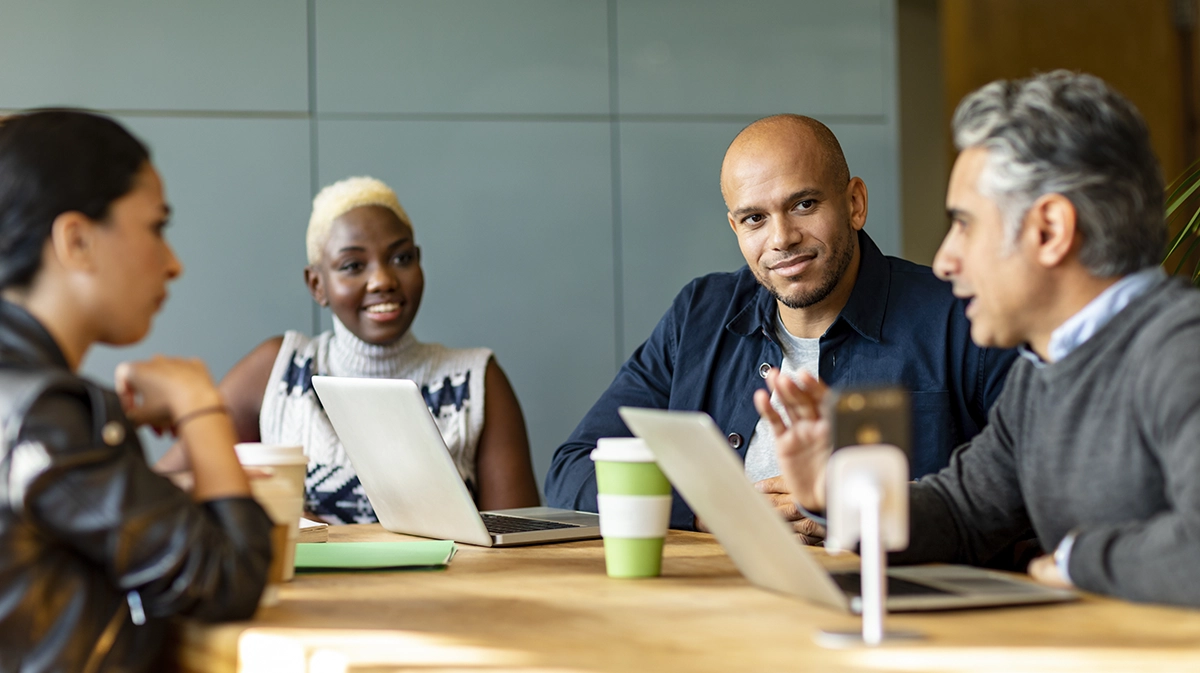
[843, 255]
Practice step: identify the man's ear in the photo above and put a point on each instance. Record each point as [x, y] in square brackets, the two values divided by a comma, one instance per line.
[732, 224]
[315, 287]
[72, 241]
[1053, 219]
[856, 193]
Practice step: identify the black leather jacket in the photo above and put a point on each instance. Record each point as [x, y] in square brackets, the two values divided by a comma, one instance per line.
[96, 550]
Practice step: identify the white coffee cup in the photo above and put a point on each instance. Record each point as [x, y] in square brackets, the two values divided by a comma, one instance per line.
[281, 494]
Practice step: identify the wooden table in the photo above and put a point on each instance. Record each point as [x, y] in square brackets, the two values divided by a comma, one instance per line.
[551, 608]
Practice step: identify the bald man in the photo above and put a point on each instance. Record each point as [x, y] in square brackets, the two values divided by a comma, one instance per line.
[816, 295]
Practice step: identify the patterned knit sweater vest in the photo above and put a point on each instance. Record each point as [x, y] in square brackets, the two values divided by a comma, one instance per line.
[451, 380]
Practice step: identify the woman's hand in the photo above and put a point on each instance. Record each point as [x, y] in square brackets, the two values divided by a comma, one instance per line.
[159, 391]
[180, 395]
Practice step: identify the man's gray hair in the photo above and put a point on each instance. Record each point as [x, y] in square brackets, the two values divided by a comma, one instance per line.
[1070, 134]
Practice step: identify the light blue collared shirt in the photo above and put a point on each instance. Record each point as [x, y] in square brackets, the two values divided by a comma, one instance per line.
[1073, 333]
[1081, 326]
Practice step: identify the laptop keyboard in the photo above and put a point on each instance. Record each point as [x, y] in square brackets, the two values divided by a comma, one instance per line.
[497, 524]
[851, 585]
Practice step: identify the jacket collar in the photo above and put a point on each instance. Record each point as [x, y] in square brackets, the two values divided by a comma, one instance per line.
[24, 341]
[864, 311]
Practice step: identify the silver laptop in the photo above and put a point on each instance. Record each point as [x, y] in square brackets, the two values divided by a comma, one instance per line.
[410, 479]
[695, 456]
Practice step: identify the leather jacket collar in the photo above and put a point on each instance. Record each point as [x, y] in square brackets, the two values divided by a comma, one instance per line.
[24, 341]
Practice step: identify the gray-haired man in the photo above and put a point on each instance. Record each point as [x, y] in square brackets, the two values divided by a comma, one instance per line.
[1056, 208]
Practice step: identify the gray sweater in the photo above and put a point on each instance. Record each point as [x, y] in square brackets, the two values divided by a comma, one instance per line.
[1105, 442]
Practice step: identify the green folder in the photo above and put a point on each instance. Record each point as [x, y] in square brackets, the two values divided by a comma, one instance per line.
[373, 555]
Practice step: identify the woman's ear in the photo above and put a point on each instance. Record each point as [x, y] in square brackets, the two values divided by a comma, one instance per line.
[72, 241]
[315, 286]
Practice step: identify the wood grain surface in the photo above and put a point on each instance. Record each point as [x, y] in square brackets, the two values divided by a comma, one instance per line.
[551, 608]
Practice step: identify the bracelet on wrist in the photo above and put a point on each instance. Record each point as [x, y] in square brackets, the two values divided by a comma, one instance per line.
[197, 413]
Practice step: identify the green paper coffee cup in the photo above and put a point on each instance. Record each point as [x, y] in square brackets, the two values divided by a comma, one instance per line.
[635, 507]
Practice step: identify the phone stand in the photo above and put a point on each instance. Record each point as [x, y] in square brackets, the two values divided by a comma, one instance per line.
[867, 502]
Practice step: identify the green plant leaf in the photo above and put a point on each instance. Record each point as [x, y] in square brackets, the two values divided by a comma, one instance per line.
[1184, 233]
[1186, 255]
[1175, 202]
[1181, 191]
[1187, 176]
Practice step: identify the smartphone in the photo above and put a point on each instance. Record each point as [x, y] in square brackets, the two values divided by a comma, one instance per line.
[870, 416]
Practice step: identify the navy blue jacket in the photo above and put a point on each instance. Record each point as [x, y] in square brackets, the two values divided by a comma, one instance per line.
[901, 326]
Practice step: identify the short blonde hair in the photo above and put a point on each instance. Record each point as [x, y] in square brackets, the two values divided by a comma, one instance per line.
[340, 198]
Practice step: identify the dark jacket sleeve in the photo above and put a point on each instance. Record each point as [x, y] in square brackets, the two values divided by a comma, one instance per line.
[993, 372]
[643, 381]
[206, 560]
[973, 508]
[1156, 559]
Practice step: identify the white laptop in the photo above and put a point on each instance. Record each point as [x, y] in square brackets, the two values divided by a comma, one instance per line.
[695, 456]
[410, 478]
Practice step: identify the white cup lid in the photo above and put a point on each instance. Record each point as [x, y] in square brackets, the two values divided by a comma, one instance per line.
[254, 453]
[622, 450]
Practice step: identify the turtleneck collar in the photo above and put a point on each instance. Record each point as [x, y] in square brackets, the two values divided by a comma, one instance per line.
[351, 356]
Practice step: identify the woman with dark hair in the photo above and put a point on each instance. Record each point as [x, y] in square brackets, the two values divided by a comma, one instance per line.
[96, 550]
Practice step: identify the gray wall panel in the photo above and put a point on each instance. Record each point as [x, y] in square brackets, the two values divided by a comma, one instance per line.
[141, 54]
[673, 225]
[515, 226]
[871, 151]
[754, 57]
[462, 56]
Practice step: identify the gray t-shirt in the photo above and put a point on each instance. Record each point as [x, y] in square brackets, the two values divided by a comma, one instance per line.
[798, 355]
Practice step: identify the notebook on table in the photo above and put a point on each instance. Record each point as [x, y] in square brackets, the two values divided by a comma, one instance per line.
[313, 531]
[408, 475]
[374, 555]
[695, 456]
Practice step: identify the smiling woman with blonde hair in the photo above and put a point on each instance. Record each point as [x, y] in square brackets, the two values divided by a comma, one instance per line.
[96, 550]
[365, 266]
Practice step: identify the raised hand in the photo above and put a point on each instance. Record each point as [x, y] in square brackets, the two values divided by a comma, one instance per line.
[803, 442]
